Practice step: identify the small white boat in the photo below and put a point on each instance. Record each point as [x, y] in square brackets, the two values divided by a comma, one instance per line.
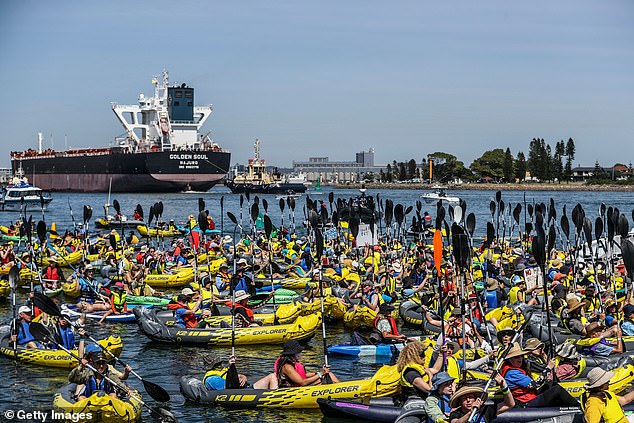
[20, 194]
[439, 194]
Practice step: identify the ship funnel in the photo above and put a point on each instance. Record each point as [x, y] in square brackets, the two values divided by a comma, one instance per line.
[39, 142]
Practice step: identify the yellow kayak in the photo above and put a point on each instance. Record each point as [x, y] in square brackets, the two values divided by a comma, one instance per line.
[153, 232]
[174, 280]
[99, 406]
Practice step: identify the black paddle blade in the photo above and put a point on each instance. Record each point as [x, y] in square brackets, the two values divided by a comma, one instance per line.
[516, 213]
[255, 211]
[602, 210]
[539, 249]
[248, 196]
[265, 204]
[232, 218]
[158, 393]
[610, 228]
[282, 204]
[291, 202]
[139, 210]
[498, 196]
[201, 205]
[324, 214]
[451, 215]
[335, 218]
[528, 228]
[46, 304]
[627, 250]
[14, 275]
[113, 241]
[598, 228]
[471, 224]
[89, 213]
[565, 226]
[353, 226]
[151, 216]
[22, 233]
[460, 246]
[203, 224]
[319, 244]
[419, 206]
[408, 210]
[389, 209]
[490, 234]
[241, 200]
[624, 226]
[41, 231]
[399, 214]
[86, 213]
[552, 237]
[530, 209]
[331, 197]
[539, 219]
[160, 209]
[502, 206]
[256, 200]
[492, 208]
[440, 212]
[268, 226]
[222, 201]
[39, 331]
[313, 219]
[587, 231]
[117, 206]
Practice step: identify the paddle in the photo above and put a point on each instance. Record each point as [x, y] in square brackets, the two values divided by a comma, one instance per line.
[319, 247]
[231, 286]
[540, 253]
[42, 334]
[48, 306]
[14, 275]
[268, 229]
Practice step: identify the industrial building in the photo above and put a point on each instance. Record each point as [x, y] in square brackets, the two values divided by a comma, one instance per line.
[338, 172]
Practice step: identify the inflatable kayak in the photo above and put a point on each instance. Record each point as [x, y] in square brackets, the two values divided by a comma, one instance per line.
[5, 289]
[144, 299]
[50, 358]
[385, 382]
[71, 289]
[102, 407]
[153, 232]
[384, 410]
[173, 280]
[302, 329]
[97, 315]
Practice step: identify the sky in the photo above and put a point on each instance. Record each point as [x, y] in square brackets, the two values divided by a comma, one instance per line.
[329, 78]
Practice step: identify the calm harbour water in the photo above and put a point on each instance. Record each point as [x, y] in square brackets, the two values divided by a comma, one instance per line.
[32, 387]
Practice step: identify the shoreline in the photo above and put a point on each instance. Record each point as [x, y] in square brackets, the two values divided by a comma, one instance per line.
[492, 187]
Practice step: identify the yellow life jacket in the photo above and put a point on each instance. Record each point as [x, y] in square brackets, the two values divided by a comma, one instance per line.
[513, 297]
[453, 368]
[413, 366]
[118, 300]
[613, 411]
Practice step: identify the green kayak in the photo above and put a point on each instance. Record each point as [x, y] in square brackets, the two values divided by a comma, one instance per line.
[141, 299]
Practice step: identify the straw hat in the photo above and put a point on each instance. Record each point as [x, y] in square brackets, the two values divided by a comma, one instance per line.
[516, 351]
[454, 401]
[52, 259]
[242, 295]
[533, 344]
[567, 350]
[598, 377]
[492, 284]
[574, 304]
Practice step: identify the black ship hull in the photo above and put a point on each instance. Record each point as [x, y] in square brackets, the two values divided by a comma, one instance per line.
[173, 171]
[277, 188]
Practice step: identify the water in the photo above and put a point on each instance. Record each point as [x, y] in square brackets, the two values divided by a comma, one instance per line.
[32, 387]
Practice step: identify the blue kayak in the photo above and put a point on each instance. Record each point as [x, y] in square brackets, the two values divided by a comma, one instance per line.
[379, 350]
[97, 315]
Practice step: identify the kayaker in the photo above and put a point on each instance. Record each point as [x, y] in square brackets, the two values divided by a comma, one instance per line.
[573, 318]
[527, 391]
[437, 403]
[569, 365]
[64, 333]
[455, 365]
[96, 381]
[592, 302]
[415, 377]
[628, 324]
[467, 398]
[385, 325]
[453, 328]
[289, 371]
[184, 316]
[601, 405]
[609, 317]
[368, 295]
[597, 345]
[216, 378]
[118, 304]
[52, 275]
[537, 357]
[244, 315]
[492, 296]
[223, 279]
[21, 333]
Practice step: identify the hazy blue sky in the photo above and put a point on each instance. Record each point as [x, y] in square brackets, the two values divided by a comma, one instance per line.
[329, 77]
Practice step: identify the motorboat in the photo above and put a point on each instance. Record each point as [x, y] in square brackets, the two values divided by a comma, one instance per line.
[20, 194]
[438, 194]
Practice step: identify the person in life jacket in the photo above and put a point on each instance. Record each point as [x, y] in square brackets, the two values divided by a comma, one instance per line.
[437, 403]
[468, 398]
[52, 275]
[183, 315]
[537, 358]
[569, 362]
[599, 405]
[20, 328]
[64, 334]
[118, 304]
[573, 317]
[97, 380]
[453, 328]
[628, 325]
[242, 312]
[597, 345]
[385, 325]
[526, 390]
[288, 371]
[592, 301]
[492, 295]
[414, 376]
[223, 279]
[453, 364]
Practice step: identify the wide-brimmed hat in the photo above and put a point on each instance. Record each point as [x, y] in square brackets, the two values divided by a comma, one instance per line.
[454, 401]
[242, 261]
[520, 267]
[52, 259]
[224, 265]
[386, 308]
[456, 312]
[594, 326]
[492, 284]
[574, 304]
[516, 351]
[567, 350]
[440, 379]
[532, 262]
[503, 331]
[556, 263]
[187, 291]
[532, 344]
[598, 377]
[292, 347]
[397, 267]
[518, 251]
[242, 295]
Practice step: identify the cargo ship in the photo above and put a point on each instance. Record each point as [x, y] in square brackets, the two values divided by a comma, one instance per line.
[259, 180]
[163, 150]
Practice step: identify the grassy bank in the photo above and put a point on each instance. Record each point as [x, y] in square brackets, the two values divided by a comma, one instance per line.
[573, 186]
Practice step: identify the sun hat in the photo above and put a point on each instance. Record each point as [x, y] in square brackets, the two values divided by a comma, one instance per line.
[386, 308]
[503, 331]
[598, 377]
[292, 347]
[454, 401]
[567, 350]
[574, 304]
[516, 351]
[224, 265]
[227, 239]
[532, 344]
[453, 345]
[242, 295]
[181, 298]
[518, 251]
[187, 291]
[492, 284]
[520, 267]
[440, 379]
[24, 309]
[397, 267]
[242, 261]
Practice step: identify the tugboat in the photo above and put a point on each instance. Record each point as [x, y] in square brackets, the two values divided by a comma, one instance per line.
[162, 150]
[259, 181]
[20, 194]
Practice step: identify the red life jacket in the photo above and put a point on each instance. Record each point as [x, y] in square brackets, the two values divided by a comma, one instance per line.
[393, 330]
[247, 310]
[520, 394]
[190, 319]
[52, 273]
